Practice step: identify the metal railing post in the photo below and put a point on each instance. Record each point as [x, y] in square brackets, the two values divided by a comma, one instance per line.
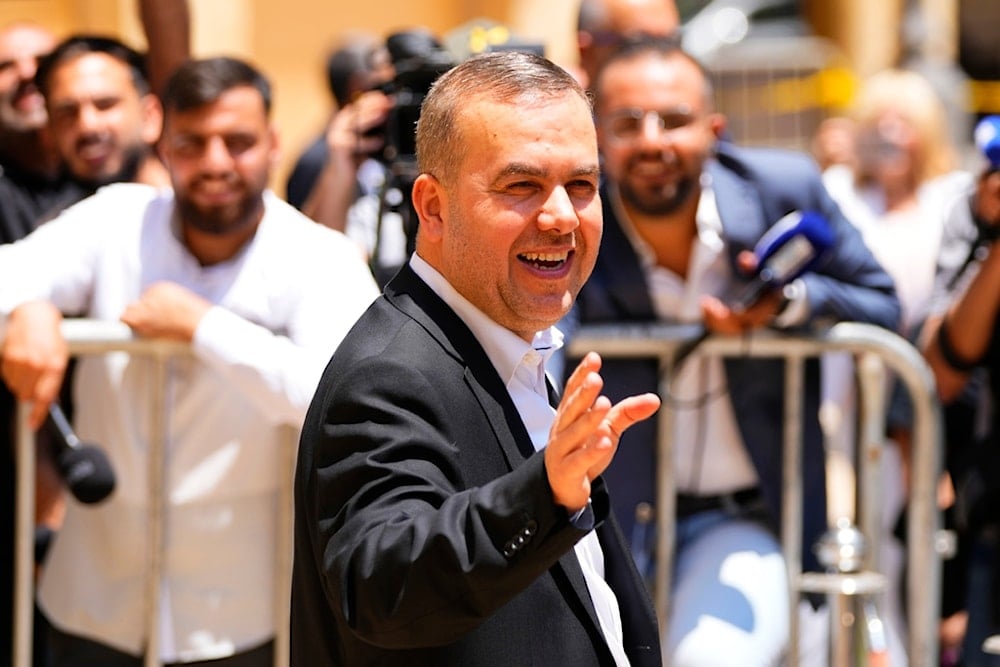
[285, 545]
[157, 501]
[791, 497]
[24, 540]
[666, 499]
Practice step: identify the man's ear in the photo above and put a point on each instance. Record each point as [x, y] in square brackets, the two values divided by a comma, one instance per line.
[152, 118]
[430, 200]
[718, 124]
[274, 154]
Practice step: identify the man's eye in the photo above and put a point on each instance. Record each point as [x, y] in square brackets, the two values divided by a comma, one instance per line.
[238, 145]
[673, 121]
[521, 186]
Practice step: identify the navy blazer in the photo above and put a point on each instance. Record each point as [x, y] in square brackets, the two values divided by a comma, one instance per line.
[753, 189]
[425, 529]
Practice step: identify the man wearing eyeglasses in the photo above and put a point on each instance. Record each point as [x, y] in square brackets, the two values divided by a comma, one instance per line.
[604, 25]
[682, 209]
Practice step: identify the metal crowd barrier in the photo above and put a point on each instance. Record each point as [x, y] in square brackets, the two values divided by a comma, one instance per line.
[874, 347]
[86, 337]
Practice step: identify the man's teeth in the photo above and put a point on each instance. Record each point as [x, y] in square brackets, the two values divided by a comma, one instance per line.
[545, 256]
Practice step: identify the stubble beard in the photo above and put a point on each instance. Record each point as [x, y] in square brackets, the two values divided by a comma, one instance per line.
[223, 220]
[667, 200]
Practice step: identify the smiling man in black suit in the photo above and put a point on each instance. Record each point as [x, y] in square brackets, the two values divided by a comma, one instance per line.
[448, 511]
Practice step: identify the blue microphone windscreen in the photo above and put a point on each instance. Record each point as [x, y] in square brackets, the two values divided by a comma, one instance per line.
[809, 224]
[987, 138]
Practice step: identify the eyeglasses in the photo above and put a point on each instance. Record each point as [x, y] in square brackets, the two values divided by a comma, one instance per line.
[628, 124]
[615, 39]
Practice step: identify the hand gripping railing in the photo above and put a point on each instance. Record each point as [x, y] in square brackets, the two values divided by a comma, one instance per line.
[661, 342]
[96, 337]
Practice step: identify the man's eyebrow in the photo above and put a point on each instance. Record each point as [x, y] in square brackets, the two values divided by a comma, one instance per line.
[523, 169]
[520, 169]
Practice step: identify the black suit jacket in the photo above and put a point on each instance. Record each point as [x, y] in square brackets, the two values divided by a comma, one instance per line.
[425, 529]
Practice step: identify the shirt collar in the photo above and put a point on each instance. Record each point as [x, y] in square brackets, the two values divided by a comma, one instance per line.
[505, 349]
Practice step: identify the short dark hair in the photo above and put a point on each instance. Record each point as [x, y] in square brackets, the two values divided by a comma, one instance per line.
[79, 45]
[344, 65]
[199, 82]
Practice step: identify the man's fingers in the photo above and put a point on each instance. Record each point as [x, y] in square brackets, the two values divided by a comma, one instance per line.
[582, 389]
[630, 411]
[39, 411]
[575, 432]
[591, 363]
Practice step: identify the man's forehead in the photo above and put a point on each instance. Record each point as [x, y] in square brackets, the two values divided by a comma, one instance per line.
[92, 67]
[651, 17]
[650, 74]
[236, 102]
[22, 39]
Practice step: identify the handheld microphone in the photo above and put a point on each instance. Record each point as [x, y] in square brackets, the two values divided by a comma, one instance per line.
[787, 250]
[792, 246]
[84, 468]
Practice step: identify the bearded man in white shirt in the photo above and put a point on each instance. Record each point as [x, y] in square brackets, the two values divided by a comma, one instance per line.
[262, 294]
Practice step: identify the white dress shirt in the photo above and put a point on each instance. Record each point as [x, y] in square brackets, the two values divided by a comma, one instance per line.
[709, 454]
[521, 365]
[282, 306]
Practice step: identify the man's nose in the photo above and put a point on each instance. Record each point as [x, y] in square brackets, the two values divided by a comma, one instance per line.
[26, 68]
[89, 118]
[558, 212]
[216, 155]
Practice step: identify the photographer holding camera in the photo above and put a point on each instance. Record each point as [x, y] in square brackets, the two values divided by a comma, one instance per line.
[367, 154]
[336, 168]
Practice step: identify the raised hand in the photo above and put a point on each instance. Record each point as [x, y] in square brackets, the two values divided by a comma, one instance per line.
[585, 432]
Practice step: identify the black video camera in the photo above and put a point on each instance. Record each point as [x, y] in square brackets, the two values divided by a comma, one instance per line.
[419, 59]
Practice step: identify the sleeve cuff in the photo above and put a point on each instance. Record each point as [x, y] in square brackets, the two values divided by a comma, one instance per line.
[583, 519]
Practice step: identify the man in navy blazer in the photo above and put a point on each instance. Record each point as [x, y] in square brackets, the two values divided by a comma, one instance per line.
[446, 512]
[682, 212]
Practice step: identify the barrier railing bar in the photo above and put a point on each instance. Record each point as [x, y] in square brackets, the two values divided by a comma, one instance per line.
[24, 539]
[665, 490]
[871, 403]
[285, 548]
[156, 527]
[791, 498]
[87, 337]
[660, 341]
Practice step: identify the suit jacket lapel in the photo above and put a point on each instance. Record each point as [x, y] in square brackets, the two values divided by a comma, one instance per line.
[739, 208]
[445, 326]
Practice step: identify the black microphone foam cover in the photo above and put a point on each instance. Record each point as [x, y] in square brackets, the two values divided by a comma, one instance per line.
[87, 473]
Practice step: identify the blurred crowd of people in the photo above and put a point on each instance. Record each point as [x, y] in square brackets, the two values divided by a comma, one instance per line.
[135, 188]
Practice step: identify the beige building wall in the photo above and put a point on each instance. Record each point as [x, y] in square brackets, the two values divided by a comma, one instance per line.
[288, 39]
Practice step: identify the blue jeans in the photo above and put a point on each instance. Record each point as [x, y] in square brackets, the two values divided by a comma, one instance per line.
[729, 598]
